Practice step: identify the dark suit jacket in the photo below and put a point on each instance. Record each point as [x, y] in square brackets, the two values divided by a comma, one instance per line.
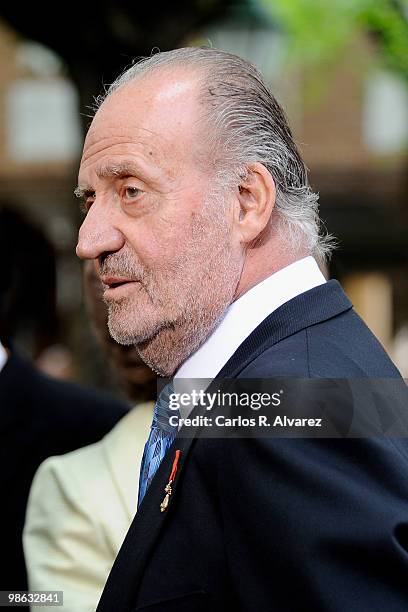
[39, 417]
[276, 525]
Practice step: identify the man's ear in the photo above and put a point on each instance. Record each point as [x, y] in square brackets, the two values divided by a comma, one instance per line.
[256, 198]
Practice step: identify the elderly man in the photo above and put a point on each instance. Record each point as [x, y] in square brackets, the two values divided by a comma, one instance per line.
[205, 229]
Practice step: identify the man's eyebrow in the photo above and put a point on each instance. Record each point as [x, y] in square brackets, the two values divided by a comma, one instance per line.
[83, 192]
[121, 169]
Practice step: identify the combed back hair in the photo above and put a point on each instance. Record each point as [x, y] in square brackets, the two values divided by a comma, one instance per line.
[245, 125]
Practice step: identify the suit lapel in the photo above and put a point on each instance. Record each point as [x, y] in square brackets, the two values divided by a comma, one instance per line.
[142, 534]
[314, 306]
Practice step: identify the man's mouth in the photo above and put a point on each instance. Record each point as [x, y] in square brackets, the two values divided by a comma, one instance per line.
[112, 282]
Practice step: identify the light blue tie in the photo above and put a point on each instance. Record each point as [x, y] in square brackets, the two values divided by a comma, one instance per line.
[161, 437]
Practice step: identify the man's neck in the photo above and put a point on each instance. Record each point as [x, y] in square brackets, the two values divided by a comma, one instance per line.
[246, 313]
[261, 264]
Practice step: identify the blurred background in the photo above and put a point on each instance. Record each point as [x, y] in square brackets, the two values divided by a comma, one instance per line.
[340, 70]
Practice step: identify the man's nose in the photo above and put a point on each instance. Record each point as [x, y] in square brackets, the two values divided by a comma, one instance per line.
[98, 235]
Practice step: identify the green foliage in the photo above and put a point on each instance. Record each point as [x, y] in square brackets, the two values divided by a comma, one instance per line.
[389, 21]
[320, 30]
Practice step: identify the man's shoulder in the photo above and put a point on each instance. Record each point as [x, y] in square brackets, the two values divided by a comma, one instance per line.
[58, 416]
[55, 394]
[22, 379]
[341, 346]
[78, 397]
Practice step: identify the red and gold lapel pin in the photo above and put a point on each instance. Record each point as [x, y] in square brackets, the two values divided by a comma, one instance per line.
[168, 489]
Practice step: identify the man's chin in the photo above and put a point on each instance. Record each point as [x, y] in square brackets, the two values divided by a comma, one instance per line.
[131, 337]
[128, 337]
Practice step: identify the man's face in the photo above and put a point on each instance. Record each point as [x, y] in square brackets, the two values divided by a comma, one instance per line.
[163, 242]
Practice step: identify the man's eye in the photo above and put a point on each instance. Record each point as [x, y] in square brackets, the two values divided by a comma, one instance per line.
[132, 192]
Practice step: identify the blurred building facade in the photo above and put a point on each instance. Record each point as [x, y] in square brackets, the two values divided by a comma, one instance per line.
[352, 130]
[40, 144]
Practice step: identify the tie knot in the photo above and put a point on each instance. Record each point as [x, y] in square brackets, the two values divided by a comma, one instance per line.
[163, 412]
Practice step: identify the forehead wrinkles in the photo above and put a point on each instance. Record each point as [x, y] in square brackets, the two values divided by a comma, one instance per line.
[147, 143]
[137, 157]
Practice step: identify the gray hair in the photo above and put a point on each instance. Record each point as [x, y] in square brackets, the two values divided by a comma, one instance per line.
[247, 126]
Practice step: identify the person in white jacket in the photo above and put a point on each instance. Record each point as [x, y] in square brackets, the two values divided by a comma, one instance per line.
[80, 508]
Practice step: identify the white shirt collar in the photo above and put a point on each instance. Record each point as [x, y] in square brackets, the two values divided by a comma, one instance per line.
[244, 315]
[3, 356]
